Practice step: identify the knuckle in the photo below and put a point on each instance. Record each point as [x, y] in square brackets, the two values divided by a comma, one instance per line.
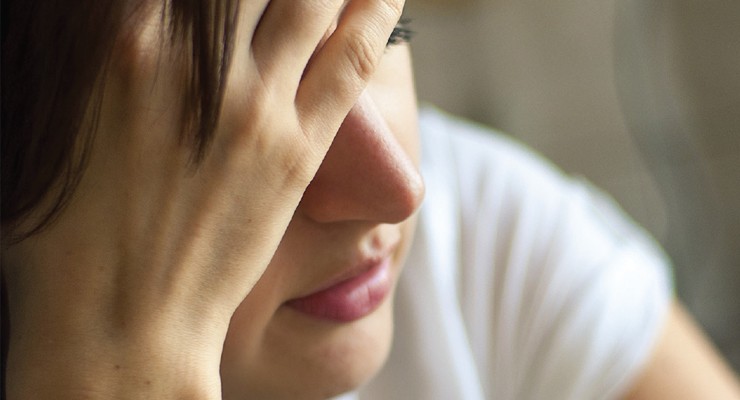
[362, 56]
[395, 7]
[362, 51]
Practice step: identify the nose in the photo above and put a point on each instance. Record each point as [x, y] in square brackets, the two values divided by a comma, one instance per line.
[367, 175]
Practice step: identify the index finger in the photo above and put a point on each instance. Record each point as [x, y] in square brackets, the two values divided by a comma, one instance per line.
[342, 67]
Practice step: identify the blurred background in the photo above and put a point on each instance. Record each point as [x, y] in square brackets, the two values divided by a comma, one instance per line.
[642, 98]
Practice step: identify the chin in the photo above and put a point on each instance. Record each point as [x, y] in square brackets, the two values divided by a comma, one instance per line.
[299, 357]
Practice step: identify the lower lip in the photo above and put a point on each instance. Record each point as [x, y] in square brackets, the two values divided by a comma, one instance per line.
[348, 300]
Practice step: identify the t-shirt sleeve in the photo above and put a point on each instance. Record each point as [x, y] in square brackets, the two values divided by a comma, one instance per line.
[591, 304]
[563, 295]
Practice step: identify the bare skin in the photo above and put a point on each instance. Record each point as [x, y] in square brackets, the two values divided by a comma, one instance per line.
[164, 281]
[147, 264]
[684, 365]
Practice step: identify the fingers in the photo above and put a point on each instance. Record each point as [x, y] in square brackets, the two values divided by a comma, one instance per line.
[288, 34]
[321, 83]
[341, 69]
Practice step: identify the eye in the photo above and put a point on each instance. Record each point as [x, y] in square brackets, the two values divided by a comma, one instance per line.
[401, 33]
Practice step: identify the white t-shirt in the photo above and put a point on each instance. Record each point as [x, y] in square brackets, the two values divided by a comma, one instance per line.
[521, 283]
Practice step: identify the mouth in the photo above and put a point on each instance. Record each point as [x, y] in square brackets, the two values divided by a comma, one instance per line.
[351, 298]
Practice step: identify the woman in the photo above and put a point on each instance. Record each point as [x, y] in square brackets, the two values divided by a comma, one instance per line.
[207, 199]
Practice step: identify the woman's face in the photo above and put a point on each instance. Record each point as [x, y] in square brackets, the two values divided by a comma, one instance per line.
[319, 321]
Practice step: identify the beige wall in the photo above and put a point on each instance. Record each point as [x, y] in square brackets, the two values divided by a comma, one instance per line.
[642, 98]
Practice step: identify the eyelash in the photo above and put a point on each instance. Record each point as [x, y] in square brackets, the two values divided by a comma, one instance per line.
[401, 33]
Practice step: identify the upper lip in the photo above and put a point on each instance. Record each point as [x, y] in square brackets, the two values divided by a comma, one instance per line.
[359, 264]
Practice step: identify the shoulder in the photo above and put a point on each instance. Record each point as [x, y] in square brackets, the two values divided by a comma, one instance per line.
[493, 179]
[446, 138]
[544, 261]
[485, 168]
[490, 173]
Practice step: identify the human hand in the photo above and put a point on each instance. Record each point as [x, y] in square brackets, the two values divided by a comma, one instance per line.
[131, 290]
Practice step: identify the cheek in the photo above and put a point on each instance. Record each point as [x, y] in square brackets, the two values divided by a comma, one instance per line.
[392, 88]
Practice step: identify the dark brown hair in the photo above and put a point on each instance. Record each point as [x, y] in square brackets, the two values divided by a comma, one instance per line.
[54, 52]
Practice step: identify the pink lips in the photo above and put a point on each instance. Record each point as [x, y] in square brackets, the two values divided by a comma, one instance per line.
[350, 299]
